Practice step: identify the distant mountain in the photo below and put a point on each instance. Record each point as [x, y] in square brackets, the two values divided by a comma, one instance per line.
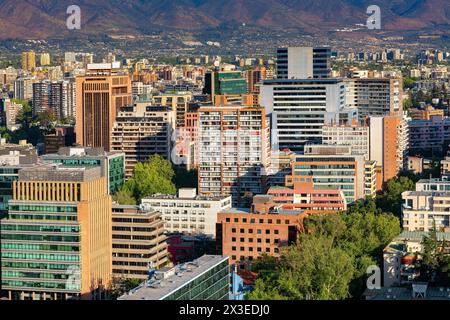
[29, 19]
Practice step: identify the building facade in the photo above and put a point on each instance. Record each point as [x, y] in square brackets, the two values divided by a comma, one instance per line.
[234, 152]
[100, 94]
[188, 213]
[138, 242]
[56, 239]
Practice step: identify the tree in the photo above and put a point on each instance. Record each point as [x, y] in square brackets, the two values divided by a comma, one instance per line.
[124, 197]
[314, 269]
[391, 199]
[149, 178]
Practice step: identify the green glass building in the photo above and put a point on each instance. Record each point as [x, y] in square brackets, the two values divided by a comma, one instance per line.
[207, 278]
[112, 164]
[224, 83]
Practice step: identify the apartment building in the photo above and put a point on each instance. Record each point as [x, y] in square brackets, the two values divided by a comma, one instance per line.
[245, 235]
[177, 102]
[280, 166]
[112, 164]
[389, 144]
[324, 167]
[429, 137]
[303, 197]
[429, 204]
[355, 135]
[100, 93]
[141, 131]
[374, 96]
[234, 152]
[58, 97]
[28, 60]
[23, 88]
[426, 114]
[56, 239]
[138, 242]
[188, 212]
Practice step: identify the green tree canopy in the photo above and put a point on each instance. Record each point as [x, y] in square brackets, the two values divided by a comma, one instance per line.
[149, 178]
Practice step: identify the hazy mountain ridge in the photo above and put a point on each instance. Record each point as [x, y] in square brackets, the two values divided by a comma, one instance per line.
[47, 18]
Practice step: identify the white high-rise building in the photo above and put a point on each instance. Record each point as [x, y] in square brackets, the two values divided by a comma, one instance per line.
[299, 109]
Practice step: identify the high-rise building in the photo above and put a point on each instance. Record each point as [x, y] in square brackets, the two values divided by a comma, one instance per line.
[224, 82]
[245, 235]
[374, 96]
[429, 137]
[234, 152]
[45, 59]
[23, 89]
[179, 103]
[254, 79]
[303, 63]
[56, 239]
[389, 144]
[10, 111]
[189, 213]
[138, 242]
[328, 167]
[355, 135]
[207, 278]
[112, 164]
[141, 131]
[58, 97]
[28, 60]
[101, 92]
[299, 109]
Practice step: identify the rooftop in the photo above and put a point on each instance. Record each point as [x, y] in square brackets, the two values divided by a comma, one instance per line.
[167, 281]
[52, 172]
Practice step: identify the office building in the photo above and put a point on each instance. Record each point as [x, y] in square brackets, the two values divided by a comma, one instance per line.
[13, 157]
[374, 96]
[234, 152]
[299, 109]
[429, 204]
[138, 242]
[141, 131]
[101, 92]
[56, 239]
[28, 60]
[57, 97]
[246, 234]
[389, 144]
[207, 278]
[112, 164]
[226, 100]
[303, 63]
[324, 167]
[189, 213]
[224, 82]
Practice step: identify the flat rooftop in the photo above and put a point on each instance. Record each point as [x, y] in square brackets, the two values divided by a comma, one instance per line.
[185, 273]
[53, 172]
